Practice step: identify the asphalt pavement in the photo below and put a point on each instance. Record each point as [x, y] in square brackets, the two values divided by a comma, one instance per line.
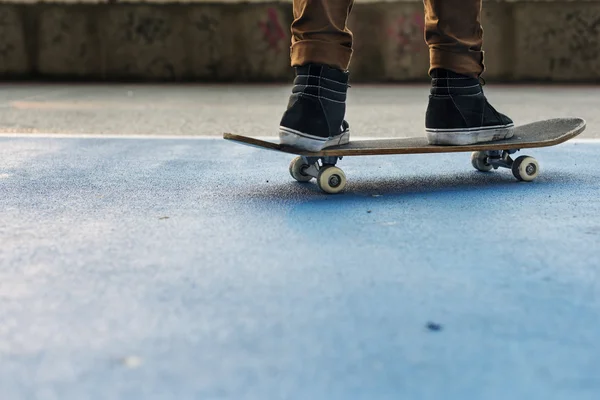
[210, 110]
[134, 265]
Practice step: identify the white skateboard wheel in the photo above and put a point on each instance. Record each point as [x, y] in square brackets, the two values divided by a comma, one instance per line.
[331, 180]
[297, 167]
[479, 161]
[525, 168]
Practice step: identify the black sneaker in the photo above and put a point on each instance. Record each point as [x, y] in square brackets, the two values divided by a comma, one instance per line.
[459, 114]
[314, 118]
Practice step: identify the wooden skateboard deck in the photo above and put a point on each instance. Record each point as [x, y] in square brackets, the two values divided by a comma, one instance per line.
[485, 156]
[537, 134]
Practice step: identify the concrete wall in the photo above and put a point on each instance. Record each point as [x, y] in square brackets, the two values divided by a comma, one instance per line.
[232, 41]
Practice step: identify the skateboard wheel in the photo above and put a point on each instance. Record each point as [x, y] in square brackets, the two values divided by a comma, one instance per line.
[525, 168]
[331, 179]
[297, 167]
[479, 161]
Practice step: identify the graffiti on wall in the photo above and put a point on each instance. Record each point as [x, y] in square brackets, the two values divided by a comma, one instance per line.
[207, 26]
[145, 29]
[585, 37]
[272, 30]
[561, 45]
[406, 33]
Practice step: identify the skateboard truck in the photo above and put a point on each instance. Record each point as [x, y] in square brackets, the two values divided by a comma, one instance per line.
[330, 178]
[524, 168]
[314, 166]
[499, 158]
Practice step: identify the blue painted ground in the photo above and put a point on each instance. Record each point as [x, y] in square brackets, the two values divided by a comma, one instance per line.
[257, 287]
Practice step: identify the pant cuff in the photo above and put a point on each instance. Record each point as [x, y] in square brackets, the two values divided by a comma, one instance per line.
[469, 63]
[319, 52]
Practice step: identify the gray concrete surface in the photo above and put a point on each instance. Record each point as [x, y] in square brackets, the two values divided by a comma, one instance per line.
[209, 110]
[197, 269]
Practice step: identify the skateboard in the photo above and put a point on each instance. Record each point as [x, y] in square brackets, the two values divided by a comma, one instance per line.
[484, 156]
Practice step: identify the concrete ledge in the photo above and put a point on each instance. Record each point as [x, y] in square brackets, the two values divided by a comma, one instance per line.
[232, 41]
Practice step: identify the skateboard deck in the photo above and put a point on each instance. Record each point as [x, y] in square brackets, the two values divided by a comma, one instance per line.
[486, 156]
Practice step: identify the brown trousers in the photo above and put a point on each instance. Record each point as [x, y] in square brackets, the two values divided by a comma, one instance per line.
[452, 31]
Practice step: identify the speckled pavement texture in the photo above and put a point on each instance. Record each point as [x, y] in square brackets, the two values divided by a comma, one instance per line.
[197, 269]
[256, 110]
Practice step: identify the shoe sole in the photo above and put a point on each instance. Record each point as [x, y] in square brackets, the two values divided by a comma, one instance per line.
[462, 137]
[303, 141]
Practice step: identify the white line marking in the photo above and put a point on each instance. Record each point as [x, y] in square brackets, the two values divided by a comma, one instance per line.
[273, 138]
[100, 136]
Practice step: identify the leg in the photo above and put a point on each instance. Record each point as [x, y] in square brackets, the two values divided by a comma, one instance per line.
[454, 34]
[320, 34]
[320, 53]
[458, 112]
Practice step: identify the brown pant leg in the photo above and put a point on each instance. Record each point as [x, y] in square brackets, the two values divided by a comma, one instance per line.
[454, 34]
[320, 34]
